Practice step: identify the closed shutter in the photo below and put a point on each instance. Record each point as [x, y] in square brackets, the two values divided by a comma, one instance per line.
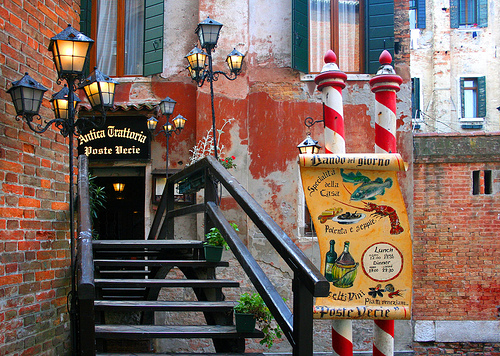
[420, 13]
[153, 37]
[379, 31]
[86, 25]
[300, 35]
[462, 97]
[481, 97]
[415, 98]
[482, 13]
[454, 13]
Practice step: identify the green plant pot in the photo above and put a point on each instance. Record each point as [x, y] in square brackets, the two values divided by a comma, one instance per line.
[245, 323]
[213, 253]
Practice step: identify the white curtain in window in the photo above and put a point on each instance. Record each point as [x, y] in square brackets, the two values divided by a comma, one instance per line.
[319, 33]
[134, 37]
[106, 36]
[349, 45]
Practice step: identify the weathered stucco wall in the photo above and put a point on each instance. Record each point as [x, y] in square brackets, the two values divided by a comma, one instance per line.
[441, 55]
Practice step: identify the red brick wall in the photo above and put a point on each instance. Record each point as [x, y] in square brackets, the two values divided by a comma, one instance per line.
[456, 244]
[34, 246]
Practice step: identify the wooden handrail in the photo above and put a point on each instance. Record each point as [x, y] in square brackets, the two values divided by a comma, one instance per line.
[307, 282]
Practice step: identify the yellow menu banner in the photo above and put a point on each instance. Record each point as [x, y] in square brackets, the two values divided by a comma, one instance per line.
[363, 232]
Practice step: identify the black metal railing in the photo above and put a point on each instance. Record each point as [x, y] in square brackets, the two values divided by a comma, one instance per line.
[307, 283]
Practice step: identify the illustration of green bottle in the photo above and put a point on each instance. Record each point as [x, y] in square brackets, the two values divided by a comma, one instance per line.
[331, 257]
[345, 269]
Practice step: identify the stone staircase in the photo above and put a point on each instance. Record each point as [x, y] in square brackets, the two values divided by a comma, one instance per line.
[129, 275]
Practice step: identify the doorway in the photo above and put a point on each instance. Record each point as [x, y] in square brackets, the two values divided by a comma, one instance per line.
[122, 217]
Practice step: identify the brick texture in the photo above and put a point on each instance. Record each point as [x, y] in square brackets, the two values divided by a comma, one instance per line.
[34, 240]
[456, 245]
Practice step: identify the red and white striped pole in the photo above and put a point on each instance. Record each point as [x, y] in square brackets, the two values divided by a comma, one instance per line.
[385, 85]
[330, 82]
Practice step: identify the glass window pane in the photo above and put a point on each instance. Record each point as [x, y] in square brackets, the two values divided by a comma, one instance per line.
[349, 46]
[319, 32]
[134, 37]
[470, 103]
[106, 36]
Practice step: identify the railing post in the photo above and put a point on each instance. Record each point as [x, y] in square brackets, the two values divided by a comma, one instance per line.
[210, 196]
[302, 319]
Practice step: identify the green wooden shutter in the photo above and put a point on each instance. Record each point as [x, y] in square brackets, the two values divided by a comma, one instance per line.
[153, 37]
[379, 31]
[85, 17]
[462, 97]
[482, 13]
[86, 24]
[415, 98]
[454, 16]
[481, 97]
[420, 13]
[300, 35]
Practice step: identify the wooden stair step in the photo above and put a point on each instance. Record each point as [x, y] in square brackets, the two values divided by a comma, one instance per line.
[224, 306]
[157, 263]
[181, 283]
[149, 244]
[170, 331]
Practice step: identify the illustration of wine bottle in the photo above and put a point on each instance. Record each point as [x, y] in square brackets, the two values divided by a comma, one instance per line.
[345, 269]
[331, 257]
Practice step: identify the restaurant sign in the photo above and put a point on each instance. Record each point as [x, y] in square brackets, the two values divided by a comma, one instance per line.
[121, 138]
[363, 232]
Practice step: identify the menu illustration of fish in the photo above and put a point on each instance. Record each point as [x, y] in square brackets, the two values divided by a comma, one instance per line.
[363, 233]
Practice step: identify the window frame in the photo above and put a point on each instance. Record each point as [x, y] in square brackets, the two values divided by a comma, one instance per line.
[480, 95]
[378, 34]
[481, 14]
[153, 35]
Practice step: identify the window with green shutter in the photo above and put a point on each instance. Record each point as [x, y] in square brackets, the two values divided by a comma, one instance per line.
[357, 30]
[473, 97]
[468, 13]
[128, 35]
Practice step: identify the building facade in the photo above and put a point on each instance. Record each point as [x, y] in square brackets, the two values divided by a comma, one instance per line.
[261, 113]
[456, 122]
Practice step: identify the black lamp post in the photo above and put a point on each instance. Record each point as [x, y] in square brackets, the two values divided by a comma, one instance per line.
[70, 50]
[167, 108]
[208, 35]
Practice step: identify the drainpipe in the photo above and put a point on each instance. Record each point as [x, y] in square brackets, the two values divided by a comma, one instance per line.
[330, 82]
[385, 84]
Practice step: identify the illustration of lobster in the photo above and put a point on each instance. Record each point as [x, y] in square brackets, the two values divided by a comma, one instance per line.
[381, 211]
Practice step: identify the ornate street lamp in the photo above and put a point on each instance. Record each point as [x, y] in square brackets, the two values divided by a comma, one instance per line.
[208, 35]
[70, 50]
[167, 108]
[308, 146]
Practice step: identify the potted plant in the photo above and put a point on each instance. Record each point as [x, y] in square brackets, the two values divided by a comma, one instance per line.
[215, 244]
[250, 311]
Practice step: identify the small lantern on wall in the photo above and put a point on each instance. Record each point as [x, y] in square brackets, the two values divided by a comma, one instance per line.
[309, 146]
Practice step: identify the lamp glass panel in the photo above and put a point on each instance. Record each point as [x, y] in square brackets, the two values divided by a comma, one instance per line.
[234, 63]
[208, 34]
[108, 93]
[92, 92]
[70, 56]
[27, 99]
[152, 122]
[179, 122]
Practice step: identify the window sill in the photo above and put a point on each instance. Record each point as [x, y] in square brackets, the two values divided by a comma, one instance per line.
[471, 120]
[350, 77]
[466, 28]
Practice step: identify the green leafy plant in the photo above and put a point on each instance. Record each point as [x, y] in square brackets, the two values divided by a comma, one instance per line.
[97, 197]
[215, 238]
[254, 304]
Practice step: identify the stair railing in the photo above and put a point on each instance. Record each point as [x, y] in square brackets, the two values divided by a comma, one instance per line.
[307, 281]
[85, 265]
